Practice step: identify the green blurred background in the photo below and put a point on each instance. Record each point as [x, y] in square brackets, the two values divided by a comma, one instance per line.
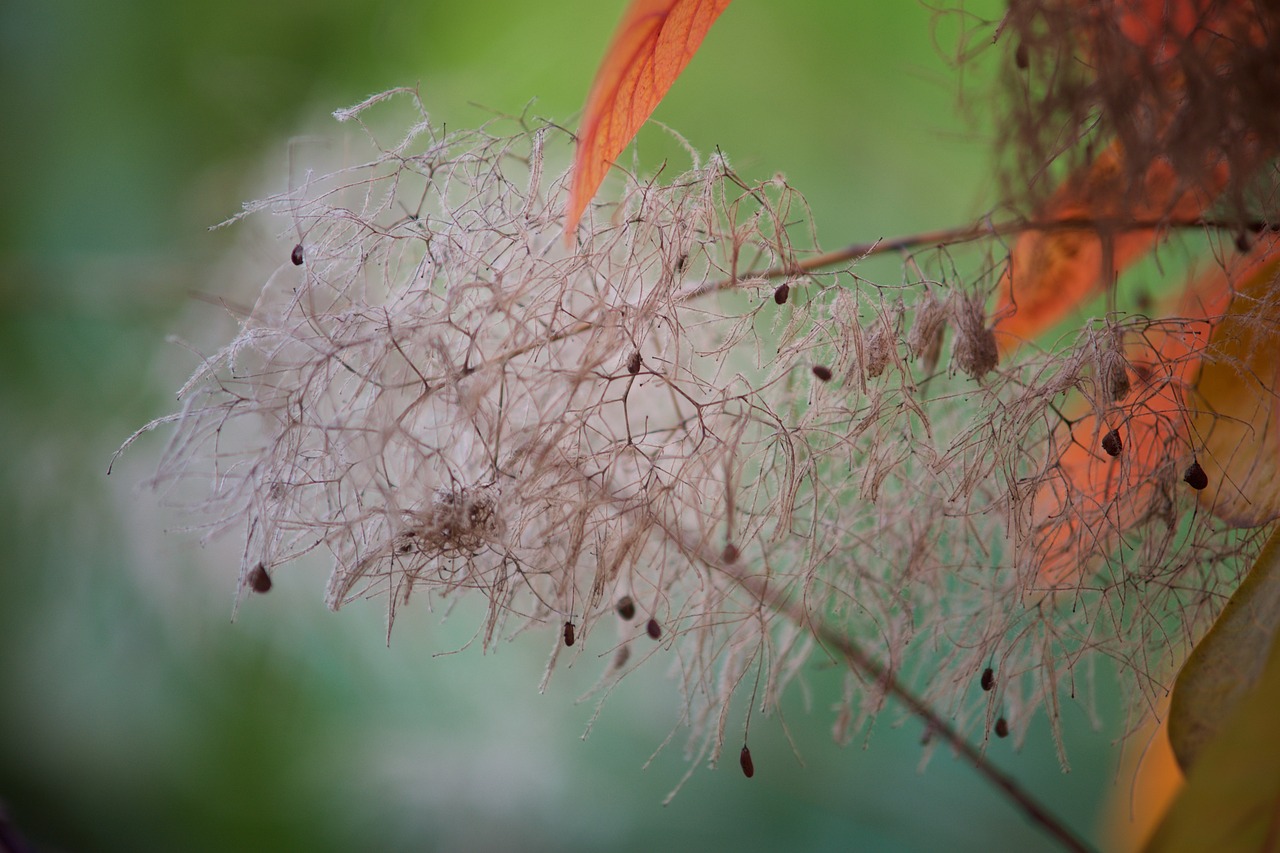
[134, 715]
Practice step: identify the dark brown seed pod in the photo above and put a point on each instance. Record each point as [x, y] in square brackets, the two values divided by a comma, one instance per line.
[1112, 444]
[988, 678]
[780, 295]
[1244, 242]
[653, 628]
[568, 634]
[822, 372]
[744, 758]
[296, 255]
[259, 580]
[1021, 57]
[626, 608]
[730, 553]
[633, 363]
[1002, 727]
[1195, 476]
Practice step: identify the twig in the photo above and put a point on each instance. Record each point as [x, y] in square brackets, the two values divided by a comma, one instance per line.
[867, 667]
[969, 233]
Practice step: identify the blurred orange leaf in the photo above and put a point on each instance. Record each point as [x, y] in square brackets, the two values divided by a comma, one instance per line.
[1052, 272]
[652, 45]
[1093, 496]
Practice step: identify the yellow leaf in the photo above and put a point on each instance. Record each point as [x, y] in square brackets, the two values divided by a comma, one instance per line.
[1231, 801]
[1236, 411]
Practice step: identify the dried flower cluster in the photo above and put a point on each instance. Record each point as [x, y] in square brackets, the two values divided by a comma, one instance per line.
[668, 441]
[1186, 86]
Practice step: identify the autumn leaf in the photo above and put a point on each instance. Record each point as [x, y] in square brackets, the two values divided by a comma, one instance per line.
[1223, 717]
[1226, 664]
[652, 45]
[1053, 272]
[1093, 496]
[1236, 411]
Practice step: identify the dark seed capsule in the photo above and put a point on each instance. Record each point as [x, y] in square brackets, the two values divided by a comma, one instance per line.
[626, 607]
[1002, 727]
[822, 372]
[1021, 57]
[259, 580]
[730, 553]
[633, 363]
[780, 295]
[568, 633]
[654, 629]
[744, 758]
[988, 678]
[296, 255]
[1243, 242]
[1195, 476]
[1112, 444]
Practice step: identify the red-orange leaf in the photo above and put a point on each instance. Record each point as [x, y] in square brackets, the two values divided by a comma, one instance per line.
[653, 44]
[1052, 273]
[1094, 497]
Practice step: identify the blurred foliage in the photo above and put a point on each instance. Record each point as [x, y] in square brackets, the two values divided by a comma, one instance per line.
[135, 715]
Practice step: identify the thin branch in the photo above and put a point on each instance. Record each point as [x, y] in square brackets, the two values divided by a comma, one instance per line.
[970, 233]
[864, 665]
[867, 667]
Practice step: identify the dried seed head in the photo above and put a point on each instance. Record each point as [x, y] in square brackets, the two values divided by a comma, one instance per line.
[626, 608]
[568, 634]
[1002, 727]
[780, 295]
[822, 372]
[259, 580]
[877, 349]
[925, 338]
[988, 678]
[653, 628]
[974, 350]
[296, 255]
[730, 553]
[1195, 476]
[748, 766]
[633, 363]
[1112, 444]
[1113, 368]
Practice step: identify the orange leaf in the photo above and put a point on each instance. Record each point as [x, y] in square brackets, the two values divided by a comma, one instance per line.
[1052, 272]
[653, 44]
[1093, 496]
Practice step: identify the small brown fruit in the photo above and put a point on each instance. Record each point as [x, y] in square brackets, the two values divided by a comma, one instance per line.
[780, 295]
[626, 607]
[822, 372]
[988, 678]
[259, 580]
[1195, 476]
[744, 758]
[1112, 444]
[296, 255]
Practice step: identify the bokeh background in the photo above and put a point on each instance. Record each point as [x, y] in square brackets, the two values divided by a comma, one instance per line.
[135, 715]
